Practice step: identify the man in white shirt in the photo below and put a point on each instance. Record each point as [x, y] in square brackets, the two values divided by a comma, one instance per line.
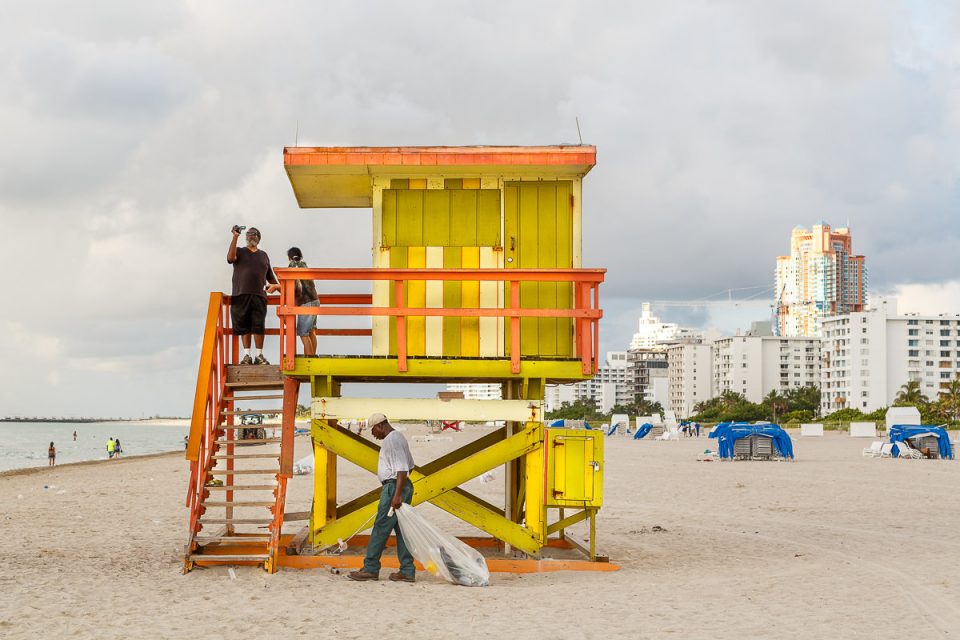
[393, 471]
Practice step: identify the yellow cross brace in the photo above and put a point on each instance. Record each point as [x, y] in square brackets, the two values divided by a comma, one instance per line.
[437, 482]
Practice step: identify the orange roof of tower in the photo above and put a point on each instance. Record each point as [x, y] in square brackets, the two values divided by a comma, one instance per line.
[341, 176]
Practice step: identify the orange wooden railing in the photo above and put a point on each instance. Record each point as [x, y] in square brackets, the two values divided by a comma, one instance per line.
[585, 312]
[208, 401]
[220, 348]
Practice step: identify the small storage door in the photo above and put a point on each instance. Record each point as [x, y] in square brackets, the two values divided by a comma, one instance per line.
[574, 471]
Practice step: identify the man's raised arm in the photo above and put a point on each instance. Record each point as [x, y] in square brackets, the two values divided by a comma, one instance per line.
[232, 251]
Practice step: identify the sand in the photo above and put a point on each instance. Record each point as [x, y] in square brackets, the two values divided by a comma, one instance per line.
[831, 546]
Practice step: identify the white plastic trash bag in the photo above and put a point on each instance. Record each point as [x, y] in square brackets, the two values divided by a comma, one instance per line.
[304, 466]
[440, 553]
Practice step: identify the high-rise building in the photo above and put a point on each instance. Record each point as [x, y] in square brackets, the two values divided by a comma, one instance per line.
[821, 277]
[868, 356]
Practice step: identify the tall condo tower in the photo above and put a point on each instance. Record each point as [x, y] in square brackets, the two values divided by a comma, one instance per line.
[821, 277]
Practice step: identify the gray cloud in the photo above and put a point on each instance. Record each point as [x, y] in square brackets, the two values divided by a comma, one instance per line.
[135, 135]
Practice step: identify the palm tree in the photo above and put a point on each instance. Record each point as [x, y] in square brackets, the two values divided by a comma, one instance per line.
[949, 400]
[776, 402]
[910, 393]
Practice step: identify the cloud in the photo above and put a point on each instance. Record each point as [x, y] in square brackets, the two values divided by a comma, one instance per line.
[135, 135]
[928, 299]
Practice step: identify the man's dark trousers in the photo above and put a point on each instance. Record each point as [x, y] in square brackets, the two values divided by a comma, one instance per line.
[382, 527]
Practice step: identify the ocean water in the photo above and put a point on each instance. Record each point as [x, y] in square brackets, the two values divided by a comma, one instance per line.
[24, 444]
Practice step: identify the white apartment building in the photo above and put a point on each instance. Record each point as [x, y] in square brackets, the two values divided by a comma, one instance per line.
[689, 377]
[608, 388]
[869, 355]
[755, 365]
[651, 332]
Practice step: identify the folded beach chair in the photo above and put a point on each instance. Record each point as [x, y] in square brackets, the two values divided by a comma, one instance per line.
[907, 452]
[873, 451]
[886, 451]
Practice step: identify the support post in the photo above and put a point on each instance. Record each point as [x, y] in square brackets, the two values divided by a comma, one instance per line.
[514, 327]
[291, 391]
[324, 508]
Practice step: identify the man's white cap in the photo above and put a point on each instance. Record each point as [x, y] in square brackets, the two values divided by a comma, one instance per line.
[375, 418]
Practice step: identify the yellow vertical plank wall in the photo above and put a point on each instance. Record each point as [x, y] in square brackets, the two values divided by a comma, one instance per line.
[564, 244]
[398, 260]
[488, 300]
[470, 298]
[451, 300]
[547, 258]
[511, 200]
[384, 213]
[417, 298]
[538, 233]
[434, 300]
[528, 258]
[454, 223]
[463, 234]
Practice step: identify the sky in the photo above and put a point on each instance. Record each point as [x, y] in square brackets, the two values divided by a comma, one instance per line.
[136, 134]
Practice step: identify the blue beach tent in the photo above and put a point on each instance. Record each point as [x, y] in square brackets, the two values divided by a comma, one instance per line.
[642, 431]
[715, 432]
[901, 432]
[728, 433]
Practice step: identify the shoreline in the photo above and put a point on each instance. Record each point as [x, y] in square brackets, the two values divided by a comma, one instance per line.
[22, 471]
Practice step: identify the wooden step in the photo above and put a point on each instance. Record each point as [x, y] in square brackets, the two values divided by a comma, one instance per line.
[205, 520]
[237, 398]
[240, 456]
[244, 487]
[241, 503]
[212, 557]
[234, 472]
[254, 373]
[210, 539]
[254, 386]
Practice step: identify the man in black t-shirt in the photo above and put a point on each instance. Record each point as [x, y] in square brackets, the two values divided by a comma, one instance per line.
[248, 305]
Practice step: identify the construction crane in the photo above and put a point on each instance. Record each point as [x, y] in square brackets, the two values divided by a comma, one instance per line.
[712, 301]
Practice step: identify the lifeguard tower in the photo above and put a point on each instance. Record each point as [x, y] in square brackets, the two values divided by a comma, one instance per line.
[476, 276]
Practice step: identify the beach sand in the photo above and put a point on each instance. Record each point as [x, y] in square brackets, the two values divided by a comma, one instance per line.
[831, 546]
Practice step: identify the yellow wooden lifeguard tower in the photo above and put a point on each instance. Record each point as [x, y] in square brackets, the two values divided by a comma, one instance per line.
[477, 277]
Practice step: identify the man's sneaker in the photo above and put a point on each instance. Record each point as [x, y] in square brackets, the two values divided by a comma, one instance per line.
[260, 360]
[362, 576]
[247, 359]
[399, 577]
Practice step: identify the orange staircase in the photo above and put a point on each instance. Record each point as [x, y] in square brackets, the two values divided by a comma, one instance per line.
[237, 489]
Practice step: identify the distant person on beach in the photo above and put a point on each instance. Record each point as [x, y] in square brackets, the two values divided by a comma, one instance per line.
[306, 296]
[393, 468]
[248, 297]
[116, 448]
[74, 436]
[51, 455]
[697, 427]
[111, 448]
[186, 442]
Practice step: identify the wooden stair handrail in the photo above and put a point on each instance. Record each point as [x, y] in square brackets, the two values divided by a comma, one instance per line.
[205, 381]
